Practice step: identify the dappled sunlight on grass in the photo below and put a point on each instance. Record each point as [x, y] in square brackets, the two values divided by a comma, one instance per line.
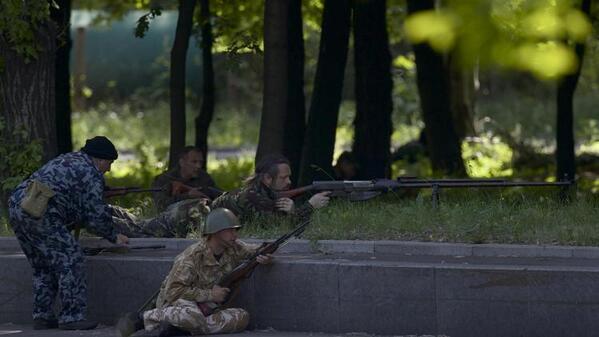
[487, 156]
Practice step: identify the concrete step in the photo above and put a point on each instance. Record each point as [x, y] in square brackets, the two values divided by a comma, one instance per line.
[351, 291]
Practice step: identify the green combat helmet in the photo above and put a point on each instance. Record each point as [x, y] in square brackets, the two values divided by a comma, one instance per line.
[219, 219]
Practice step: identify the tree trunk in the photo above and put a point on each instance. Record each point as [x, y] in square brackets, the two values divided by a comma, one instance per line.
[319, 142]
[433, 89]
[461, 87]
[274, 104]
[372, 138]
[295, 121]
[62, 18]
[564, 154]
[177, 78]
[28, 90]
[207, 110]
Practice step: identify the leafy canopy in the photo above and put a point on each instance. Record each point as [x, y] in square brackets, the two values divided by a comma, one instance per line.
[529, 35]
[19, 20]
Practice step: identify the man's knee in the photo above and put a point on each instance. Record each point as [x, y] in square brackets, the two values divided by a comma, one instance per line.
[227, 321]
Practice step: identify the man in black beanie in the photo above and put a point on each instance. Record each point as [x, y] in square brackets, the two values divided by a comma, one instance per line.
[100, 147]
[42, 210]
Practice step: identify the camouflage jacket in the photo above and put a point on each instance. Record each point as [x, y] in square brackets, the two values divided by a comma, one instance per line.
[164, 198]
[78, 186]
[253, 201]
[196, 270]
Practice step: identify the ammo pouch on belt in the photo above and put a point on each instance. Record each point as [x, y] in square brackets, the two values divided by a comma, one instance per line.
[36, 198]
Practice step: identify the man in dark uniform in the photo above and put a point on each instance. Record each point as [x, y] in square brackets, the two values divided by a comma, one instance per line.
[43, 209]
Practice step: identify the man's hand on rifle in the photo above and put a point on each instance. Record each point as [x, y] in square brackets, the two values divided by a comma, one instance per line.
[285, 204]
[320, 200]
[195, 192]
[264, 259]
[219, 294]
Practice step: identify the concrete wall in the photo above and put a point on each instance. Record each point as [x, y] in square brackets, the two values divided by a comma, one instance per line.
[397, 295]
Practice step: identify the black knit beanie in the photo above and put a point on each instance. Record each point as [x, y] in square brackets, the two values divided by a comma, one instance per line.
[100, 147]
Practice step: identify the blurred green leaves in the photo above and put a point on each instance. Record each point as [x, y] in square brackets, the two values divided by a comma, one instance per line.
[433, 27]
[529, 35]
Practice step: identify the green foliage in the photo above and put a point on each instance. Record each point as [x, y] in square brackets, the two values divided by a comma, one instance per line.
[529, 35]
[19, 21]
[229, 173]
[487, 156]
[20, 156]
[143, 23]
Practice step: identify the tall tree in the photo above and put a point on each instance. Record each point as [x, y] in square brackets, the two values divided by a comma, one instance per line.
[177, 78]
[295, 119]
[461, 96]
[433, 89]
[372, 124]
[274, 104]
[319, 142]
[62, 17]
[28, 54]
[564, 153]
[202, 122]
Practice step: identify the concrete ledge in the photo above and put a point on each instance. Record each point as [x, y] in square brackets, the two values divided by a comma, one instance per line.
[384, 288]
[373, 247]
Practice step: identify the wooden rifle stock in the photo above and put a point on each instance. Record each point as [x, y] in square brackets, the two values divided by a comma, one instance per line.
[178, 188]
[116, 191]
[244, 270]
[121, 249]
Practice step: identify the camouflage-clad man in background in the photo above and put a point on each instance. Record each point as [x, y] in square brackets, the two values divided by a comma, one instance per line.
[181, 205]
[257, 197]
[186, 181]
[193, 280]
[42, 209]
[174, 222]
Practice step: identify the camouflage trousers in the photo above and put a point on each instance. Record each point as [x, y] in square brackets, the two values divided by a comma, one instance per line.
[187, 316]
[178, 220]
[57, 262]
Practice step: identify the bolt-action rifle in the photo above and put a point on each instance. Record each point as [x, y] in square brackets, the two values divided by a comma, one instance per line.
[119, 249]
[233, 279]
[110, 192]
[367, 189]
[178, 188]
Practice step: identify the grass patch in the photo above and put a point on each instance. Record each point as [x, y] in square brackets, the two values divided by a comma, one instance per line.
[475, 217]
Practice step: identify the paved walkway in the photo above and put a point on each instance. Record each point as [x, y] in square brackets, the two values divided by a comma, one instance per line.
[12, 330]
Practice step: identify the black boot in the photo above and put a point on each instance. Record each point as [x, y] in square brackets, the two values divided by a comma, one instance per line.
[43, 324]
[129, 323]
[167, 330]
[78, 325]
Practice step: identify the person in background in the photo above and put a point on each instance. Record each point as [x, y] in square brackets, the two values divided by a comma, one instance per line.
[187, 180]
[346, 167]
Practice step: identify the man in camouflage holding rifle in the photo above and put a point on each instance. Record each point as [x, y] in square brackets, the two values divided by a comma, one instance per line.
[192, 284]
[258, 195]
[182, 203]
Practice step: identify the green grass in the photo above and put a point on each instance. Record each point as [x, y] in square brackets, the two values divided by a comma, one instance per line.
[469, 217]
[513, 216]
